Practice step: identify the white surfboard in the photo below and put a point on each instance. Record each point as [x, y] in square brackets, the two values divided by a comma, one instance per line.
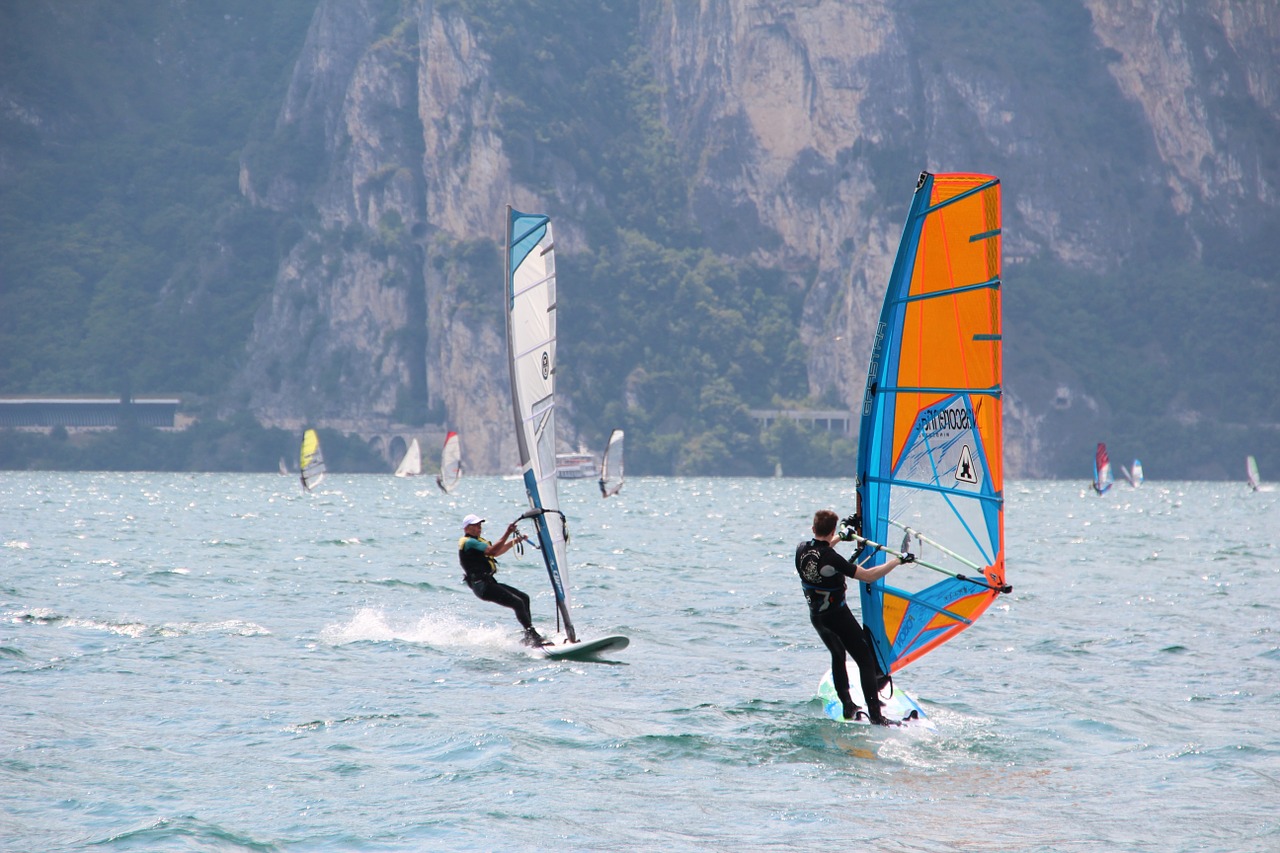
[899, 705]
[591, 650]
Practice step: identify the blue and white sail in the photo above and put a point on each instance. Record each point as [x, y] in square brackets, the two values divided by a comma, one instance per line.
[530, 292]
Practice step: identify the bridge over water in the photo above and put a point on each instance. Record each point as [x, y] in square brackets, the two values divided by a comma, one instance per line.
[391, 441]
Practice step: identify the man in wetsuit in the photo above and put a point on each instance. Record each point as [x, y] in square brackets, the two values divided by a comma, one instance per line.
[478, 557]
[822, 575]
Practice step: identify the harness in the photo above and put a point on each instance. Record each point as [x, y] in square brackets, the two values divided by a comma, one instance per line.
[820, 598]
[477, 567]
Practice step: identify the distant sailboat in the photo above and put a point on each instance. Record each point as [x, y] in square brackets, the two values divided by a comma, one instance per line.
[411, 464]
[284, 469]
[611, 466]
[311, 461]
[1251, 471]
[1134, 474]
[1102, 478]
[450, 464]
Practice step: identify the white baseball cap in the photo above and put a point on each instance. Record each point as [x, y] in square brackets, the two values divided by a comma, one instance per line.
[471, 519]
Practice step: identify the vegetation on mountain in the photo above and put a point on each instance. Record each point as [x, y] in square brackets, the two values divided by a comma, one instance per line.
[658, 336]
[128, 256]
[1173, 350]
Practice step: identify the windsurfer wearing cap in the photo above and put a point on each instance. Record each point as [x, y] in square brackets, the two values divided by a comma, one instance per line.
[822, 575]
[479, 559]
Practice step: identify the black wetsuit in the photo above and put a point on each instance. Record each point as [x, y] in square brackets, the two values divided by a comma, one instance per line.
[478, 570]
[822, 574]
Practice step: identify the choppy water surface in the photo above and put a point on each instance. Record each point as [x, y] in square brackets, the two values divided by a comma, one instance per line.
[219, 662]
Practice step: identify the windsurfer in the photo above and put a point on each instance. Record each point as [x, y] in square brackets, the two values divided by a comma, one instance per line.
[822, 573]
[478, 557]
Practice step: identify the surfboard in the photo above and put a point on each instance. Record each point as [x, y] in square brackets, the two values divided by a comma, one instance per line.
[898, 705]
[591, 650]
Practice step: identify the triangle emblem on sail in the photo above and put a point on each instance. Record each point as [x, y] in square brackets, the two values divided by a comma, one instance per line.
[965, 472]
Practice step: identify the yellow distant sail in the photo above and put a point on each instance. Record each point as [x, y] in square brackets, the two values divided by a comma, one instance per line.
[311, 460]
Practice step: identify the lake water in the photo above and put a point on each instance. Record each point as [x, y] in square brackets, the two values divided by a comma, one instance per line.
[219, 662]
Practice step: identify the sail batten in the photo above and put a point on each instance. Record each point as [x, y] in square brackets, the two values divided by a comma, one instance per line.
[522, 291]
[937, 389]
[959, 197]
[931, 487]
[930, 453]
[915, 599]
[942, 294]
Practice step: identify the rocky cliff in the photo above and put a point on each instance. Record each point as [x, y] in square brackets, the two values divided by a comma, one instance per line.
[800, 126]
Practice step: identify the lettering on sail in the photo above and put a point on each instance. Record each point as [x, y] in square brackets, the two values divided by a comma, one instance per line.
[933, 421]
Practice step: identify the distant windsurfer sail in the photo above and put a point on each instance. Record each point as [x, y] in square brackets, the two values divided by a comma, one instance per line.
[531, 305]
[1102, 477]
[930, 452]
[450, 464]
[411, 464]
[611, 466]
[311, 461]
[1134, 474]
[1251, 472]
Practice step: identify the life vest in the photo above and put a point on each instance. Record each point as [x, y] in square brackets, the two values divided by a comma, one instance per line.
[823, 584]
[477, 566]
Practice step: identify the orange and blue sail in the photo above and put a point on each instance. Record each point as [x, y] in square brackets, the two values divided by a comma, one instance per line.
[930, 454]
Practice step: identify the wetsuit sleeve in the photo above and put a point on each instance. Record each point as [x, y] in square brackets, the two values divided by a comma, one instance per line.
[837, 561]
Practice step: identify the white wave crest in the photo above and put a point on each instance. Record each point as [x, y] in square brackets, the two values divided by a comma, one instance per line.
[440, 630]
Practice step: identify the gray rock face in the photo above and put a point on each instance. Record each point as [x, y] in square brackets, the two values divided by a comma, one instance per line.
[389, 152]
